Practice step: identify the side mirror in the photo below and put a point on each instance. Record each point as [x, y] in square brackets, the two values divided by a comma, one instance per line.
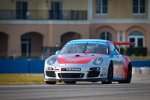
[57, 52]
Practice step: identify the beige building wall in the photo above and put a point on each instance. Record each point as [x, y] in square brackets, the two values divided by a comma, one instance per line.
[75, 4]
[38, 4]
[40, 8]
[14, 33]
[100, 28]
[45, 4]
[120, 9]
[124, 11]
[148, 37]
[7, 5]
[51, 32]
[59, 29]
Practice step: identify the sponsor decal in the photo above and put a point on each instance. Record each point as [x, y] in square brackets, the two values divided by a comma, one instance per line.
[49, 68]
[119, 69]
[70, 69]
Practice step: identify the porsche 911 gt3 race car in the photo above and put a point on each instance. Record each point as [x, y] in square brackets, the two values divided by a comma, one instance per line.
[88, 60]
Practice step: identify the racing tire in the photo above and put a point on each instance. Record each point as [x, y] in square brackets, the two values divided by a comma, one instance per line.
[50, 82]
[109, 75]
[70, 82]
[129, 75]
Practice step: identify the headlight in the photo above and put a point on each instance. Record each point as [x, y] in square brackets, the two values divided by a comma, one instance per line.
[51, 60]
[98, 61]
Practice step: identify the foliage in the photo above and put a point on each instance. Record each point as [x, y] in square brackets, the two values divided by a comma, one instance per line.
[137, 51]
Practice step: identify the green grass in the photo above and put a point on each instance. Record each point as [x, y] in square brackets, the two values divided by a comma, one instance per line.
[139, 58]
[21, 79]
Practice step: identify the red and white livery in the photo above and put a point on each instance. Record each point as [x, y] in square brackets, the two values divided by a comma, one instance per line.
[88, 60]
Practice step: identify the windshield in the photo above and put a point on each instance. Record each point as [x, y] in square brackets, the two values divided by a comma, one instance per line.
[85, 48]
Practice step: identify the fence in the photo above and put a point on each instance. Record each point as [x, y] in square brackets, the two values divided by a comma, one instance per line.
[37, 66]
[141, 63]
[21, 66]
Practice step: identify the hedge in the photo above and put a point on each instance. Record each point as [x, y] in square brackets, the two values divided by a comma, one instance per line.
[137, 51]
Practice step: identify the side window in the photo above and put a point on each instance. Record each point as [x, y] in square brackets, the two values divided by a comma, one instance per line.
[113, 50]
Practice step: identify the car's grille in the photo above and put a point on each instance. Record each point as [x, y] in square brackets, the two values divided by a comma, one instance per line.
[70, 75]
[50, 73]
[93, 73]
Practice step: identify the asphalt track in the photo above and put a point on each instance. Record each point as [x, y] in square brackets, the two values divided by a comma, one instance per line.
[139, 89]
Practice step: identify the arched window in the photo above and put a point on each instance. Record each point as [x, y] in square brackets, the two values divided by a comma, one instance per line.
[106, 36]
[31, 44]
[3, 44]
[137, 38]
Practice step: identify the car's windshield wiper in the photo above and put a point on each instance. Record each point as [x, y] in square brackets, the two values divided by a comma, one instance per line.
[85, 48]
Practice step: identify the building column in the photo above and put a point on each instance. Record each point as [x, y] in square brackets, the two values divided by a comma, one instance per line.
[123, 37]
[149, 10]
[14, 45]
[90, 10]
[118, 36]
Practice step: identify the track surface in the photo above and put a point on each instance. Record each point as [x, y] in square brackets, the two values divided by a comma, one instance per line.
[139, 89]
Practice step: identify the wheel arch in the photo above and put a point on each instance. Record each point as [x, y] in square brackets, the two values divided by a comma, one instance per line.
[128, 61]
[111, 63]
[128, 65]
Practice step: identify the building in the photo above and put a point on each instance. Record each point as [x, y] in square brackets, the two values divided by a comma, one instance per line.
[27, 27]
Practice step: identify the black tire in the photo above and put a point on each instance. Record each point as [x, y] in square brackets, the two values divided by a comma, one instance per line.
[50, 82]
[109, 75]
[129, 75]
[70, 82]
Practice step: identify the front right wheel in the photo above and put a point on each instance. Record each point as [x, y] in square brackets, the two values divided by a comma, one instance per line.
[70, 82]
[129, 75]
[109, 75]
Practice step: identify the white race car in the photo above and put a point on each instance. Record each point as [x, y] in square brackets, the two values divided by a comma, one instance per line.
[88, 60]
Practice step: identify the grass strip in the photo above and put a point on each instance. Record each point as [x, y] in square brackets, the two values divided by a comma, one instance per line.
[139, 58]
[21, 79]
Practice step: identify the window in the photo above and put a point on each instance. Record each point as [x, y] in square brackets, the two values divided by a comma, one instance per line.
[21, 9]
[137, 38]
[26, 46]
[56, 10]
[101, 6]
[113, 49]
[138, 6]
[106, 36]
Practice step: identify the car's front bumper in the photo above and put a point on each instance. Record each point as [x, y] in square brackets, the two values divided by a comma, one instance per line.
[89, 75]
[75, 79]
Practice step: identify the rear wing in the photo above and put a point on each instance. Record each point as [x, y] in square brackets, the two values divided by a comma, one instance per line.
[124, 43]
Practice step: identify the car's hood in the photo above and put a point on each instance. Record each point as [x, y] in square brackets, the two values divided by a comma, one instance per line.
[81, 58]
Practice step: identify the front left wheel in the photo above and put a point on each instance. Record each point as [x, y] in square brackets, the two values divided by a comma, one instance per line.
[50, 82]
